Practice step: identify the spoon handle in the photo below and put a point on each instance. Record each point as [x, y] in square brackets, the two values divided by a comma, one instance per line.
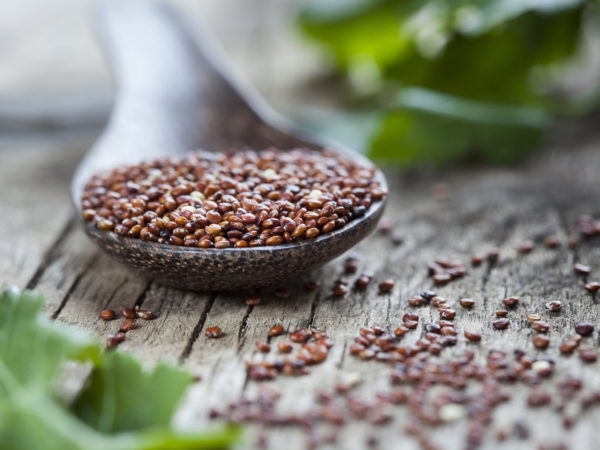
[175, 91]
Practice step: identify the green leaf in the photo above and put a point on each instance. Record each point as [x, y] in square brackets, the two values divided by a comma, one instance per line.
[121, 396]
[424, 126]
[32, 351]
[487, 54]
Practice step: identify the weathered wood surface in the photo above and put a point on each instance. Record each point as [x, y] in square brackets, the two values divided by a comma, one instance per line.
[43, 248]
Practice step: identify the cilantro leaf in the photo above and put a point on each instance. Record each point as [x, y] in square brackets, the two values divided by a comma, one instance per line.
[32, 351]
[121, 396]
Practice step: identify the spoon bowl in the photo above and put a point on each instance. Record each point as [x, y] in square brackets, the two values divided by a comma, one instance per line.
[176, 94]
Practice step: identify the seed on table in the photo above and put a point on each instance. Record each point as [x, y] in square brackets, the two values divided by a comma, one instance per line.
[584, 329]
[377, 331]
[540, 326]
[145, 314]
[411, 324]
[301, 335]
[538, 397]
[554, 306]
[581, 269]
[501, 313]
[472, 336]
[526, 246]
[477, 260]
[501, 324]
[551, 242]
[533, 318]
[213, 332]
[588, 354]
[263, 346]
[108, 314]
[362, 282]
[282, 292]
[438, 301]
[541, 341]
[127, 325]
[310, 286]
[398, 239]
[285, 346]
[354, 348]
[572, 241]
[447, 314]
[253, 300]
[401, 331]
[386, 286]
[384, 227]
[466, 302]
[128, 313]
[367, 354]
[432, 328]
[449, 331]
[493, 255]
[120, 336]
[416, 301]
[351, 264]
[570, 344]
[276, 330]
[111, 341]
[511, 302]
[434, 349]
[410, 316]
[441, 278]
[592, 287]
[427, 295]
[340, 288]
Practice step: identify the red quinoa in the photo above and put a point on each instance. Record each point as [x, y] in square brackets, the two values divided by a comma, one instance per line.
[234, 199]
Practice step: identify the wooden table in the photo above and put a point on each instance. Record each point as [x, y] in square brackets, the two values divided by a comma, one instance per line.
[43, 248]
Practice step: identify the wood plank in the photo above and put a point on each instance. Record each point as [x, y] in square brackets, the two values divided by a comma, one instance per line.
[34, 183]
[487, 208]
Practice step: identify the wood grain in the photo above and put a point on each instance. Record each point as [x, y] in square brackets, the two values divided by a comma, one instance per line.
[487, 208]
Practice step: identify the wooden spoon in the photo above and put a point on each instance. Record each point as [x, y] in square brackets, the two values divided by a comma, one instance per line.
[174, 95]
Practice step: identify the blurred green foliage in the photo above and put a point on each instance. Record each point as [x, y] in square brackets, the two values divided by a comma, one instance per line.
[451, 79]
[122, 407]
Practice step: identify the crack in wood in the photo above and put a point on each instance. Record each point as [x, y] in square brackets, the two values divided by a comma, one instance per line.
[71, 289]
[313, 308]
[116, 290]
[50, 253]
[242, 329]
[142, 296]
[340, 363]
[197, 329]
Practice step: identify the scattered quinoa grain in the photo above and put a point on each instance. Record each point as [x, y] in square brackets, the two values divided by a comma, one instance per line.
[144, 314]
[584, 329]
[253, 300]
[108, 314]
[501, 324]
[129, 313]
[582, 269]
[386, 286]
[213, 332]
[472, 336]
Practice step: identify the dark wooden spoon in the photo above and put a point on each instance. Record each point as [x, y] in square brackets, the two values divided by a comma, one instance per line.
[175, 94]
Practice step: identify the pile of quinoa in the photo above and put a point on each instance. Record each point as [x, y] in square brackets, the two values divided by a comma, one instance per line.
[232, 199]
